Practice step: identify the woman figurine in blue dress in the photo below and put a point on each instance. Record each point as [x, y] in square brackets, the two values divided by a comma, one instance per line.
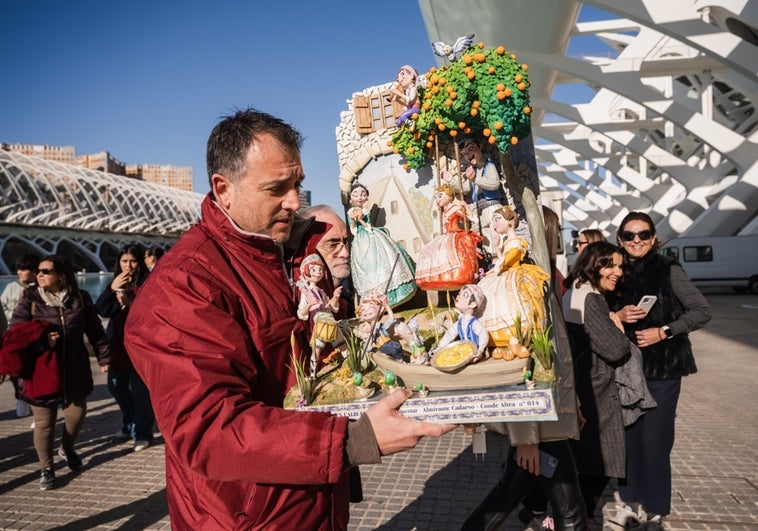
[378, 263]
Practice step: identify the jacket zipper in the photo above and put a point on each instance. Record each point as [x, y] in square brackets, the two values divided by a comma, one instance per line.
[63, 356]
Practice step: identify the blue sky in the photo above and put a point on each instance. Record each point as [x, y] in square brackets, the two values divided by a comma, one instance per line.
[147, 81]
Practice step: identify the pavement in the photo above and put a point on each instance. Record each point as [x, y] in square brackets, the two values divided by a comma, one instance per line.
[435, 486]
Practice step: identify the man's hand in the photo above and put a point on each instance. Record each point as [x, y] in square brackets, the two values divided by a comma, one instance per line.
[395, 432]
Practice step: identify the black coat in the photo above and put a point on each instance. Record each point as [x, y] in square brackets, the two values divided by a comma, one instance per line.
[73, 321]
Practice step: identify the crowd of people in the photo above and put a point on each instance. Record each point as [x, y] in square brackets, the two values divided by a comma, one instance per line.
[201, 343]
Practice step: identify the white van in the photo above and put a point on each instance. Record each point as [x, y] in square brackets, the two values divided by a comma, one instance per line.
[730, 261]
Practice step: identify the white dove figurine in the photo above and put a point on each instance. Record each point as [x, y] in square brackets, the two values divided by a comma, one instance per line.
[454, 51]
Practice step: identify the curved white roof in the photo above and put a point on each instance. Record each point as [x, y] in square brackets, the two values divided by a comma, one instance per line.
[645, 105]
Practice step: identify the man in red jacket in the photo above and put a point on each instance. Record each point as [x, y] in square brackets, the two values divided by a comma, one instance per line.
[210, 335]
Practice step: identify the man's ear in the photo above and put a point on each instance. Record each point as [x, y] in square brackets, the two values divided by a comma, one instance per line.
[222, 188]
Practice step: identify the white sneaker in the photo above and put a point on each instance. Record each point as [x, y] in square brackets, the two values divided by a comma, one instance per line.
[141, 445]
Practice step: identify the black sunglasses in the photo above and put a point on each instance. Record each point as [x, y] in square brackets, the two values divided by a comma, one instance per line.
[644, 235]
[46, 271]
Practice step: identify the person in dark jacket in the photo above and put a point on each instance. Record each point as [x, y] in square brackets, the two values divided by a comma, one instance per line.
[58, 301]
[667, 356]
[599, 346]
[126, 386]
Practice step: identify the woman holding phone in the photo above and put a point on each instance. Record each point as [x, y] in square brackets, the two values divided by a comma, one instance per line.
[662, 335]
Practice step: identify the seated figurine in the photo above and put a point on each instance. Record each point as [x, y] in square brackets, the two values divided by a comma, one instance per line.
[469, 303]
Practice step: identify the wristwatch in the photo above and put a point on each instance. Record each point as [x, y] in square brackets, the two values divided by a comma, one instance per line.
[667, 332]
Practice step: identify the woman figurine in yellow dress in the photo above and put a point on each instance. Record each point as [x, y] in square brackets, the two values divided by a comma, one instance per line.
[514, 290]
[449, 261]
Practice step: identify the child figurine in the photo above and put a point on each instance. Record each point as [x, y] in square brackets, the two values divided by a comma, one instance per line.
[369, 329]
[312, 298]
[316, 308]
[406, 93]
[401, 333]
[469, 302]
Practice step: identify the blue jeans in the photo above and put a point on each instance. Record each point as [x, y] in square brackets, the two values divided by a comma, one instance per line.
[133, 399]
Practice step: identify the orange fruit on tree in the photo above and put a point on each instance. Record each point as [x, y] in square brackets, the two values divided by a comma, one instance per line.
[462, 124]
[486, 131]
[453, 132]
[471, 75]
[492, 139]
[500, 50]
[474, 111]
[396, 150]
[514, 140]
[498, 126]
[406, 167]
[480, 57]
[476, 104]
[453, 95]
[481, 45]
[522, 86]
[442, 81]
[389, 142]
[435, 90]
[518, 78]
[527, 110]
[414, 116]
[441, 127]
[501, 95]
[449, 102]
[411, 150]
[524, 67]
[513, 56]
[467, 59]
[491, 70]
[416, 135]
[507, 92]
[500, 87]
[467, 130]
[429, 145]
[426, 106]
[437, 120]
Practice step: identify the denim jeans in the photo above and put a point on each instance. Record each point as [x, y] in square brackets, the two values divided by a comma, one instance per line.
[133, 399]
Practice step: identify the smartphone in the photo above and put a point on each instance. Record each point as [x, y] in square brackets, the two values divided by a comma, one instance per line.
[647, 302]
[548, 464]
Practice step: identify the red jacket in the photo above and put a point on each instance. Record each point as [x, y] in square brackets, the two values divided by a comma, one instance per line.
[212, 328]
[25, 353]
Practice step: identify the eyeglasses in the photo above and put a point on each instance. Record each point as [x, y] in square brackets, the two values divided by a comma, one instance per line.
[46, 271]
[644, 235]
[580, 242]
[332, 246]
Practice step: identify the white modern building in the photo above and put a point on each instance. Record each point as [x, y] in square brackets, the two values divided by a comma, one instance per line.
[644, 105]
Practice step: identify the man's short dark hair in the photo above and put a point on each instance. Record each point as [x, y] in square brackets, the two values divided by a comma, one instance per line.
[28, 261]
[231, 138]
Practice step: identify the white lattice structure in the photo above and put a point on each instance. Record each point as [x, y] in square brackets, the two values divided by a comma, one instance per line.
[44, 193]
[670, 126]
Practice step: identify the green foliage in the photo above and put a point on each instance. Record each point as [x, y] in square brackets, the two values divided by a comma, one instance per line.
[355, 359]
[305, 385]
[483, 94]
[542, 346]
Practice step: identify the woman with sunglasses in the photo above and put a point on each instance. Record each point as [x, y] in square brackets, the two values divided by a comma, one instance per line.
[662, 335]
[66, 314]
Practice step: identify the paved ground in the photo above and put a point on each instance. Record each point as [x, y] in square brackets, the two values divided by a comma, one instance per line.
[715, 459]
